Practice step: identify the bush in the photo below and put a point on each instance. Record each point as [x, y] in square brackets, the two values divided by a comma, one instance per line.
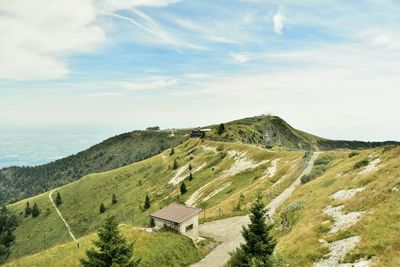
[102, 208]
[361, 163]
[320, 166]
[353, 153]
[290, 215]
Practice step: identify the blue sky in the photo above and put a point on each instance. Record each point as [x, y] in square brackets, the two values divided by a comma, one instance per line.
[328, 67]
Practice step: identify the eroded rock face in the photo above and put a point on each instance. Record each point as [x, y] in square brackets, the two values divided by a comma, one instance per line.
[342, 221]
[371, 167]
[346, 194]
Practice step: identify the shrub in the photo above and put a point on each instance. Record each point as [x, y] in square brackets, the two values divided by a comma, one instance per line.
[102, 208]
[361, 163]
[353, 153]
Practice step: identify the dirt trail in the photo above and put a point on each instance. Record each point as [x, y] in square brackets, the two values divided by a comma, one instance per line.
[228, 231]
[62, 218]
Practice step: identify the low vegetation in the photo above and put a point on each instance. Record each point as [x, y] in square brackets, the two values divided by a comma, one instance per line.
[320, 166]
[303, 242]
[361, 163]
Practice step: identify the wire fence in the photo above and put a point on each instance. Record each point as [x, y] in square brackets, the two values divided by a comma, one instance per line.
[235, 208]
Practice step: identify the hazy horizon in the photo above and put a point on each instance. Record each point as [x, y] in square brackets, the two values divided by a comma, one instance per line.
[330, 69]
[36, 145]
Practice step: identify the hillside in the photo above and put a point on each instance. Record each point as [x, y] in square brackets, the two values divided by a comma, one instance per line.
[226, 177]
[21, 182]
[154, 249]
[350, 210]
[273, 131]
[265, 131]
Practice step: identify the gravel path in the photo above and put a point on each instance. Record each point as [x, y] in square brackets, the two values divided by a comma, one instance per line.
[62, 218]
[228, 231]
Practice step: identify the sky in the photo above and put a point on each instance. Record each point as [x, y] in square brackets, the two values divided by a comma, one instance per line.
[327, 67]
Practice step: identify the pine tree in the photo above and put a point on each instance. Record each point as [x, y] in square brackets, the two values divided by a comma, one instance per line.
[58, 199]
[102, 208]
[111, 249]
[28, 209]
[259, 245]
[190, 167]
[172, 152]
[183, 188]
[190, 178]
[146, 203]
[114, 199]
[35, 210]
[221, 128]
[152, 223]
[174, 165]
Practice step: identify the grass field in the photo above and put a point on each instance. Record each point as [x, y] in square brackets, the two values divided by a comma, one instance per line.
[222, 173]
[154, 249]
[379, 228]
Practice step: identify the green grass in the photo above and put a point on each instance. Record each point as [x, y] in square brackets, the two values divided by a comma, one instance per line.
[82, 198]
[154, 249]
[379, 229]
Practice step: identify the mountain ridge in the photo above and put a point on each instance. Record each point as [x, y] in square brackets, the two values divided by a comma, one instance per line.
[120, 150]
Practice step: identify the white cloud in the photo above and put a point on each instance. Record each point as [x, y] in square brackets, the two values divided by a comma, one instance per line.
[212, 32]
[382, 38]
[103, 94]
[240, 57]
[278, 21]
[37, 36]
[114, 5]
[146, 85]
[143, 84]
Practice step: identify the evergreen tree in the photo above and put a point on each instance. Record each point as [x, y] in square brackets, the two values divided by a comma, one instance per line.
[146, 203]
[111, 249]
[58, 199]
[102, 208]
[8, 223]
[35, 210]
[183, 188]
[114, 199]
[152, 223]
[221, 128]
[172, 152]
[174, 165]
[259, 244]
[190, 167]
[190, 177]
[28, 209]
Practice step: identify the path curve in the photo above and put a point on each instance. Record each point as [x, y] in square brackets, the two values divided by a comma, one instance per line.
[59, 214]
[229, 231]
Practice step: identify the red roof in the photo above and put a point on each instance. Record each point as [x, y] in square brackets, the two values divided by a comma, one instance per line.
[176, 213]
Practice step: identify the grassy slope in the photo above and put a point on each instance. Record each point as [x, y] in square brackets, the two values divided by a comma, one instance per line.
[154, 249]
[251, 130]
[379, 229]
[21, 182]
[81, 199]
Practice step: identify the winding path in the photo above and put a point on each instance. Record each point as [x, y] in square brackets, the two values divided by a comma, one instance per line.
[228, 231]
[59, 214]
